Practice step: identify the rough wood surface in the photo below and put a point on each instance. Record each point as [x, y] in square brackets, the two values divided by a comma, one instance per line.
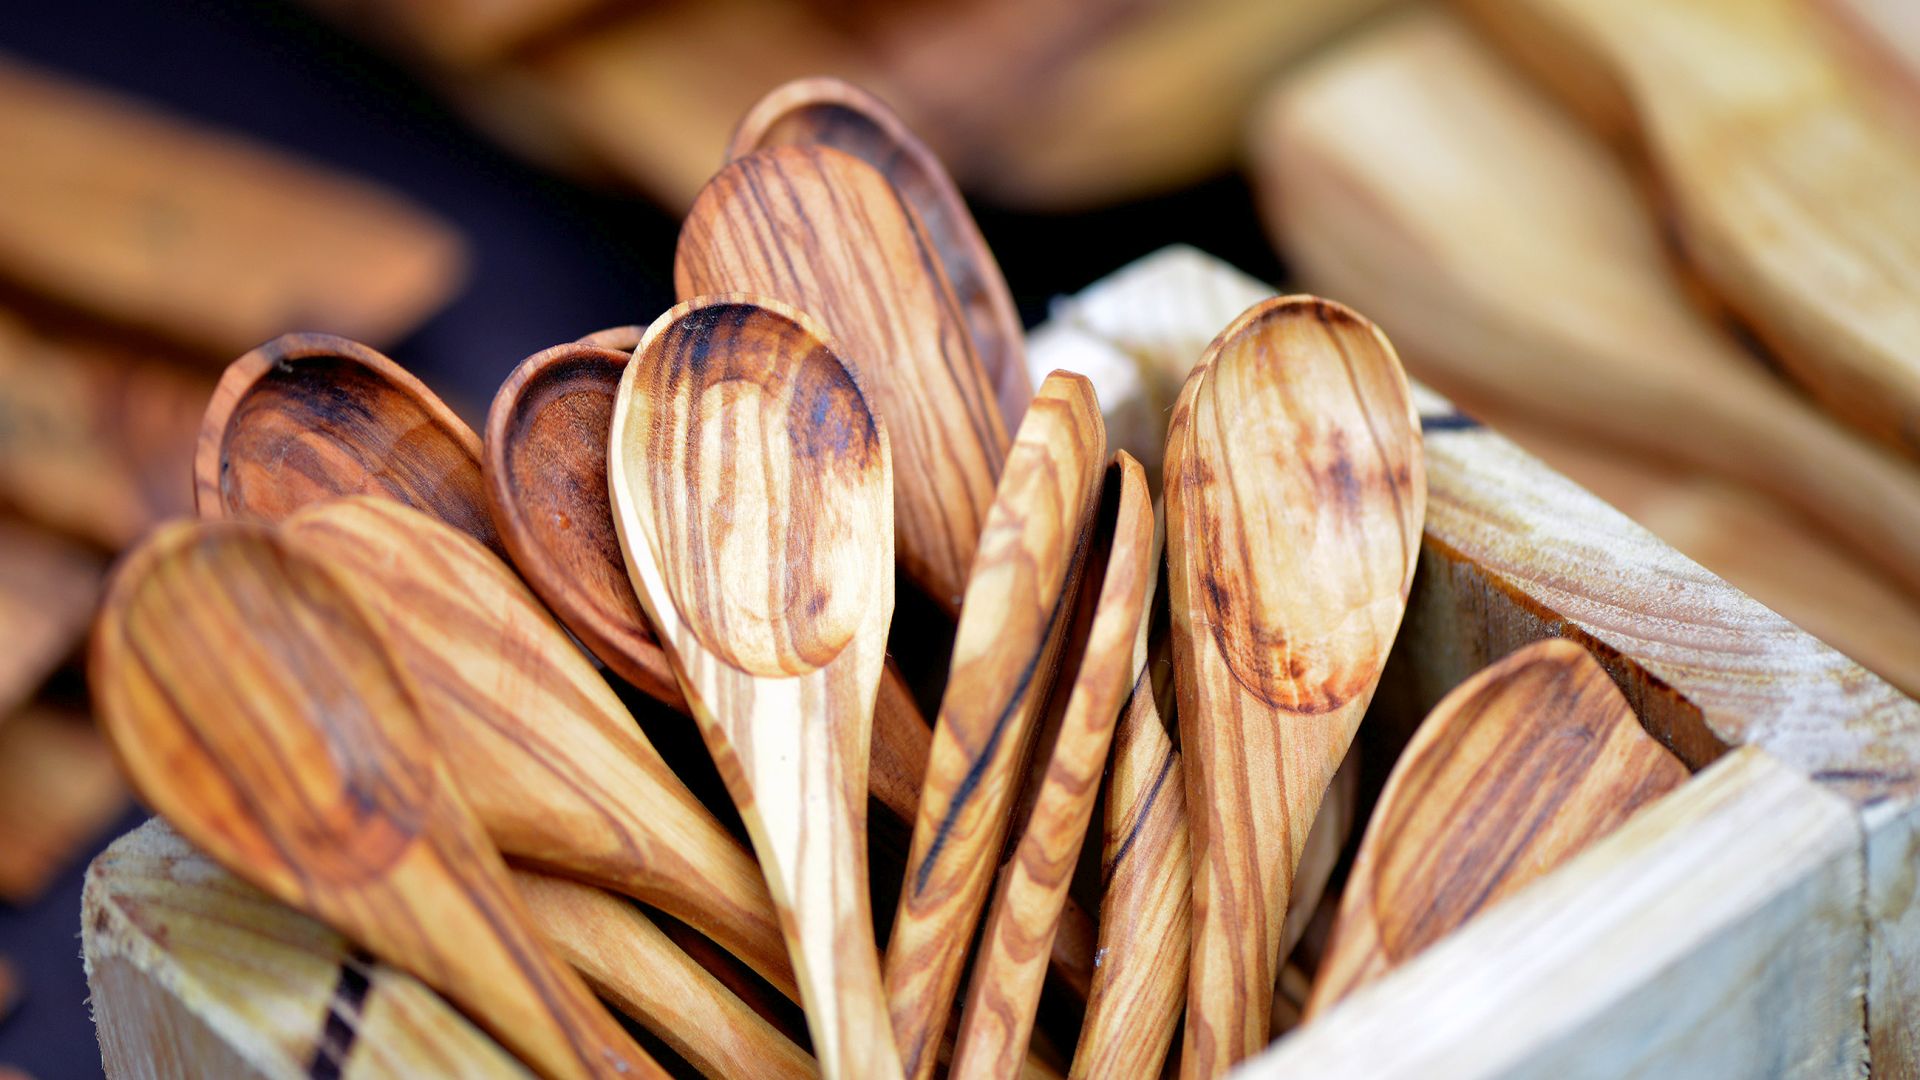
[1005, 650]
[1004, 987]
[1295, 494]
[771, 587]
[1714, 934]
[1516, 771]
[1787, 192]
[194, 972]
[551, 762]
[202, 238]
[833, 112]
[308, 416]
[824, 231]
[301, 762]
[48, 589]
[59, 791]
[95, 440]
[1415, 175]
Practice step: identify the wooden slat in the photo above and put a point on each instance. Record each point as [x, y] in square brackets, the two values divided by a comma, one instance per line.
[48, 588]
[59, 790]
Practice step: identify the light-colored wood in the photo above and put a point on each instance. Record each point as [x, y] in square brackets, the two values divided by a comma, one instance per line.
[1516, 771]
[1885, 37]
[1004, 987]
[550, 761]
[833, 112]
[202, 238]
[1414, 174]
[194, 972]
[96, 440]
[1295, 493]
[1714, 934]
[630, 963]
[750, 483]
[301, 763]
[1006, 647]
[1787, 188]
[276, 437]
[59, 791]
[48, 588]
[824, 231]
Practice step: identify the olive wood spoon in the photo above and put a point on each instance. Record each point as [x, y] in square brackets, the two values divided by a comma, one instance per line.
[1789, 188]
[1414, 173]
[751, 487]
[549, 759]
[1004, 988]
[832, 112]
[308, 416]
[299, 761]
[1296, 491]
[1517, 770]
[822, 230]
[1005, 649]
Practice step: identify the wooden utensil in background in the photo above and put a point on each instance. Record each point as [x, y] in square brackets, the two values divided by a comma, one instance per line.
[750, 484]
[1004, 987]
[1295, 496]
[822, 230]
[1414, 174]
[833, 112]
[1788, 191]
[1513, 773]
[1017, 605]
[299, 761]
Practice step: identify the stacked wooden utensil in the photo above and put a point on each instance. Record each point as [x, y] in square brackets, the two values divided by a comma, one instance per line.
[347, 683]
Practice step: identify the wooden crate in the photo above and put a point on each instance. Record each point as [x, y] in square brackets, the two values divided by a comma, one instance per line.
[1763, 919]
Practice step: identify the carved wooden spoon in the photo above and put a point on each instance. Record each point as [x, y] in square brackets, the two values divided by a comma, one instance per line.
[1004, 653]
[252, 701]
[1295, 491]
[309, 416]
[1004, 988]
[833, 112]
[1516, 771]
[1415, 174]
[751, 487]
[822, 230]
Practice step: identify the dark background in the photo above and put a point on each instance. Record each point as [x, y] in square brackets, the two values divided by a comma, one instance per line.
[550, 261]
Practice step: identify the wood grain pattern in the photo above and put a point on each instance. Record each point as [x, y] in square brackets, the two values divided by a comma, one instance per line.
[48, 589]
[301, 762]
[1884, 35]
[824, 231]
[309, 416]
[203, 238]
[1774, 183]
[1516, 771]
[96, 439]
[750, 482]
[194, 972]
[59, 791]
[1005, 650]
[1004, 988]
[1414, 174]
[833, 112]
[1295, 495]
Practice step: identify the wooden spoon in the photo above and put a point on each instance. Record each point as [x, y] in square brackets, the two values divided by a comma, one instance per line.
[1789, 191]
[824, 231]
[1516, 771]
[1295, 495]
[751, 488]
[826, 111]
[1004, 989]
[309, 416]
[1415, 174]
[252, 701]
[552, 764]
[1007, 643]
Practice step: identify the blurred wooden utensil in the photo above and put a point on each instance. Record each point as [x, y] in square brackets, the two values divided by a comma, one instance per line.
[1516, 771]
[301, 763]
[751, 487]
[1295, 497]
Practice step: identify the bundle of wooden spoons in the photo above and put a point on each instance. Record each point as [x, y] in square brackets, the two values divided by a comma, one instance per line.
[350, 683]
